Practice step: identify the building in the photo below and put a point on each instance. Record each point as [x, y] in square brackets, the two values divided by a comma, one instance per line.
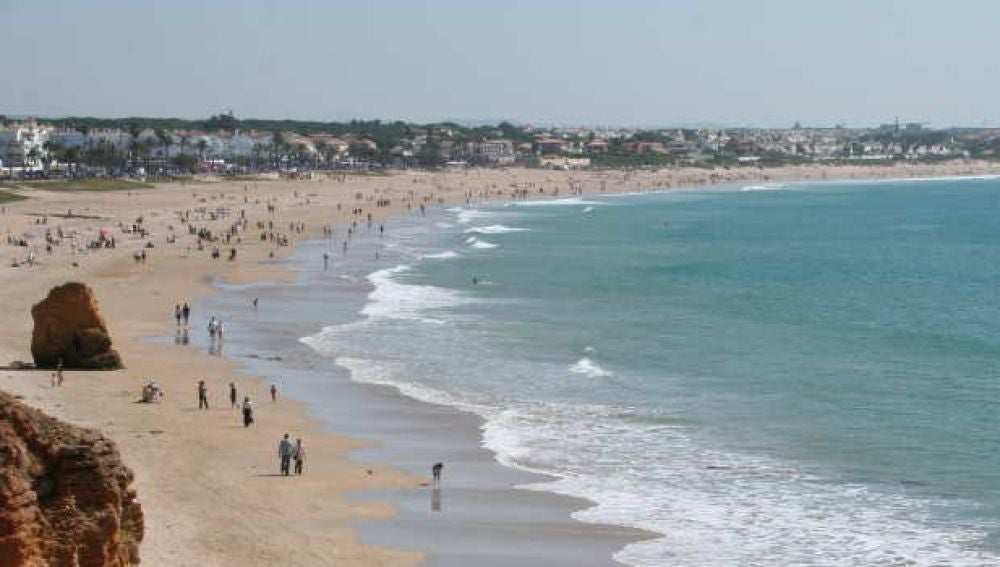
[549, 146]
[644, 147]
[23, 145]
[597, 146]
[364, 144]
[332, 145]
[491, 152]
[120, 139]
[68, 138]
[564, 162]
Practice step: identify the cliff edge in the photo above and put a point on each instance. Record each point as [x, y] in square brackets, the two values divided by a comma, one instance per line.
[65, 496]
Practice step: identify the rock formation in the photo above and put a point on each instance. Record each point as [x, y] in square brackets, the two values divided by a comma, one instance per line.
[64, 495]
[69, 327]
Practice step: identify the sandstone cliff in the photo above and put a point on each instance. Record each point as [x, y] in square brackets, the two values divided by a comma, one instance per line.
[65, 498]
[69, 328]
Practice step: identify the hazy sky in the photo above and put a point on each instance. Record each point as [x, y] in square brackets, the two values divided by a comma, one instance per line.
[609, 62]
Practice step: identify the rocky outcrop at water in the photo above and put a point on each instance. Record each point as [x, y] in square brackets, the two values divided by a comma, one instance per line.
[69, 328]
[65, 496]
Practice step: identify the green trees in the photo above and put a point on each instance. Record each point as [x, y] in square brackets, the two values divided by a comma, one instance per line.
[322, 151]
[133, 149]
[166, 140]
[202, 146]
[279, 148]
[184, 162]
[224, 121]
[430, 154]
[31, 158]
[259, 149]
[71, 156]
[54, 152]
[104, 154]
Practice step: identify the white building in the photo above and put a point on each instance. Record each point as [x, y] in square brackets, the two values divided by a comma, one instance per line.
[117, 138]
[23, 145]
[68, 138]
[242, 144]
[493, 152]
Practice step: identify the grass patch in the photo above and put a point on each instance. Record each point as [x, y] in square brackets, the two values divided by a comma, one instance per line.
[96, 184]
[8, 197]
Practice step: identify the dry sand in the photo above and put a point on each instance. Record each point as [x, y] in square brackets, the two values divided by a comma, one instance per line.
[208, 485]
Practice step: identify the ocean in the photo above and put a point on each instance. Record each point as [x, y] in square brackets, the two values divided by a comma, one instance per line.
[787, 374]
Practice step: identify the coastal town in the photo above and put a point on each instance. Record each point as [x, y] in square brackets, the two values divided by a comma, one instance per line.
[224, 144]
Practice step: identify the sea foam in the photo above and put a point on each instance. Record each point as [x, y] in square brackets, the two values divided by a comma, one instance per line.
[588, 367]
[394, 300]
[465, 216]
[494, 229]
[384, 373]
[765, 187]
[556, 202]
[712, 507]
[477, 243]
[447, 255]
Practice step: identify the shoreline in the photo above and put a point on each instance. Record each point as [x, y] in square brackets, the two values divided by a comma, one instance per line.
[136, 301]
[482, 504]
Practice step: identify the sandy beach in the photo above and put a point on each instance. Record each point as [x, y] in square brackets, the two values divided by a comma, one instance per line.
[208, 486]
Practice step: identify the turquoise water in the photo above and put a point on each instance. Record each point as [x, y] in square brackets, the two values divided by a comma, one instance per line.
[800, 374]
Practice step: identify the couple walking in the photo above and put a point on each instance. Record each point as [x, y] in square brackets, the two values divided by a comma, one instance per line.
[287, 452]
[182, 313]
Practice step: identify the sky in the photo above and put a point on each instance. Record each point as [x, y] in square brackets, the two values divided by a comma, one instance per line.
[641, 63]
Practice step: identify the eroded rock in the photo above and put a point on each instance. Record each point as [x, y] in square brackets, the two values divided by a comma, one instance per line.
[69, 328]
[65, 496]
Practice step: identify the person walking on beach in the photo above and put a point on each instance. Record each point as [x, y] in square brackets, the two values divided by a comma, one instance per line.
[59, 373]
[436, 473]
[232, 394]
[186, 313]
[202, 395]
[177, 314]
[247, 412]
[285, 454]
[299, 456]
[274, 392]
